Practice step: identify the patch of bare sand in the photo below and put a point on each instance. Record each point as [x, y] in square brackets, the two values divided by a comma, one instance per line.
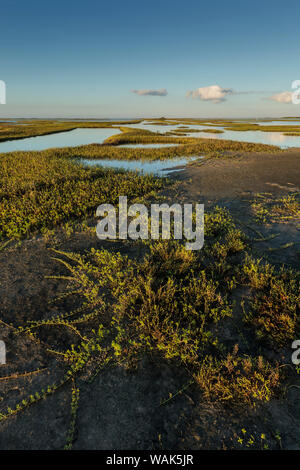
[228, 177]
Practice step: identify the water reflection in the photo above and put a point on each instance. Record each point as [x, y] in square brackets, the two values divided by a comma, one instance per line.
[158, 167]
[62, 139]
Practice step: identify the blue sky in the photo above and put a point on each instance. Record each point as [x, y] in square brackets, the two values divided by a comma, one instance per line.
[83, 59]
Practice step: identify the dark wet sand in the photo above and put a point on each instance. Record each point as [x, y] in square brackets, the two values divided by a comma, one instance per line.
[233, 181]
[251, 173]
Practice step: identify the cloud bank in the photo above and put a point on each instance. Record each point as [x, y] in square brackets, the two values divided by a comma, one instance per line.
[213, 93]
[283, 97]
[160, 92]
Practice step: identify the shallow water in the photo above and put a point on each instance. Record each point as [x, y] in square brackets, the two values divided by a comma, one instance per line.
[161, 129]
[269, 138]
[86, 136]
[61, 139]
[277, 123]
[158, 167]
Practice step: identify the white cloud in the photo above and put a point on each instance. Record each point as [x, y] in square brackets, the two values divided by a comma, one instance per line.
[284, 97]
[213, 93]
[160, 92]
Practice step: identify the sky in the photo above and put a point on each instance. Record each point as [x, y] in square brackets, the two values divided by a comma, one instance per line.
[116, 59]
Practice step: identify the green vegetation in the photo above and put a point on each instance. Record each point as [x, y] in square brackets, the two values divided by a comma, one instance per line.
[213, 131]
[241, 125]
[253, 441]
[248, 126]
[74, 408]
[237, 379]
[37, 128]
[292, 134]
[192, 145]
[183, 130]
[275, 302]
[38, 191]
[268, 208]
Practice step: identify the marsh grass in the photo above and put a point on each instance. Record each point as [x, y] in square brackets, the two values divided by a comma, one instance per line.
[268, 208]
[38, 192]
[241, 126]
[275, 301]
[44, 127]
[237, 379]
[189, 145]
[183, 130]
[292, 134]
[74, 409]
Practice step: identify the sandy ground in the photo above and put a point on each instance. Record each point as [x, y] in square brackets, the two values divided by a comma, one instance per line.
[248, 174]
